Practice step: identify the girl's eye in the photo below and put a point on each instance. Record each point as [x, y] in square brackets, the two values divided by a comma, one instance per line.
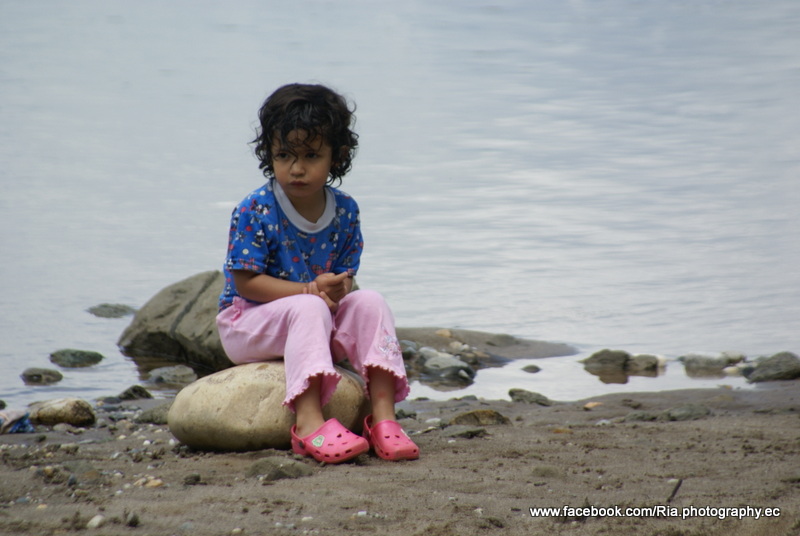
[312, 156]
[281, 156]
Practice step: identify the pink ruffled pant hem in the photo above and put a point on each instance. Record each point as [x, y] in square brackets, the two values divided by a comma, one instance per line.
[303, 331]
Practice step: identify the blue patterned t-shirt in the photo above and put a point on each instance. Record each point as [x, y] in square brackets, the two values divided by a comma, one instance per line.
[268, 236]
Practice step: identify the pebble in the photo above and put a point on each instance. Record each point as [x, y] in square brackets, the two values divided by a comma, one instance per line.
[96, 522]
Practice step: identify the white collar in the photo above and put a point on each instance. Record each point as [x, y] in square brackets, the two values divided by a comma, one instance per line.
[299, 221]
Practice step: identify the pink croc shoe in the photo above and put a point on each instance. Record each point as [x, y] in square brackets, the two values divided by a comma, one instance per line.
[389, 440]
[331, 443]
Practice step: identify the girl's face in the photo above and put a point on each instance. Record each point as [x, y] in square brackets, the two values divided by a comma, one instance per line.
[302, 168]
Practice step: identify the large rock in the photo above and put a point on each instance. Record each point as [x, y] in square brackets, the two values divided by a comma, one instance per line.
[179, 324]
[239, 409]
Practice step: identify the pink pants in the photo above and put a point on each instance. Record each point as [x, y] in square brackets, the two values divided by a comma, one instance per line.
[303, 330]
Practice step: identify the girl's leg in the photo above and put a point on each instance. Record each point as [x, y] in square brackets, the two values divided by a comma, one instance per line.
[381, 394]
[309, 409]
[364, 333]
[297, 328]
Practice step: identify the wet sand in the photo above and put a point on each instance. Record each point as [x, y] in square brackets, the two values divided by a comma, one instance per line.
[470, 479]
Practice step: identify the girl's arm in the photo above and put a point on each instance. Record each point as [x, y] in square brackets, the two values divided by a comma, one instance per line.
[265, 288]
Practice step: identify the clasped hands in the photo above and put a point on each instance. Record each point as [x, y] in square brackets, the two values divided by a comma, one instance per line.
[331, 288]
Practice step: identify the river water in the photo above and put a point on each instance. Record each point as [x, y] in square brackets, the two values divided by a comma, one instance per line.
[621, 174]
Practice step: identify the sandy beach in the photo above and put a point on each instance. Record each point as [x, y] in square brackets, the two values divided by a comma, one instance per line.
[641, 476]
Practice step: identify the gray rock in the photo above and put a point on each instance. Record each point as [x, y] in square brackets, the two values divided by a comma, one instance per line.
[40, 376]
[607, 359]
[156, 415]
[278, 467]
[71, 358]
[640, 416]
[135, 392]
[699, 365]
[781, 366]
[176, 375]
[111, 310]
[529, 397]
[443, 366]
[642, 364]
[532, 369]
[687, 412]
[179, 324]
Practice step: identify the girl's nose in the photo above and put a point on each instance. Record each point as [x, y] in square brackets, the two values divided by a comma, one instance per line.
[296, 167]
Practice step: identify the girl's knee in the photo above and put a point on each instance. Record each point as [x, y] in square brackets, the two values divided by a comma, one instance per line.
[304, 304]
[366, 298]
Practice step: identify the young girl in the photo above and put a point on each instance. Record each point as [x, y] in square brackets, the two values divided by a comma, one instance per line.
[295, 244]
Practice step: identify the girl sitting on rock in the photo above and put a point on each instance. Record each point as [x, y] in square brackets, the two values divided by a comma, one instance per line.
[294, 246]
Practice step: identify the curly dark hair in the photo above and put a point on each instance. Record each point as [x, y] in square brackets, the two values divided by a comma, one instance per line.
[315, 109]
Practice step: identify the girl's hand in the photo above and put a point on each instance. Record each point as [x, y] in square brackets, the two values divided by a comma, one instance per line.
[313, 288]
[335, 286]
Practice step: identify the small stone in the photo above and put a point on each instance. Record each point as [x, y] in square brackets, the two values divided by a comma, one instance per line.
[111, 310]
[591, 405]
[274, 468]
[156, 415]
[96, 522]
[482, 417]
[612, 359]
[132, 519]
[175, 375]
[643, 363]
[40, 376]
[640, 416]
[72, 411]
[532, 369]
[192, 479]
[71, 358]
[135, 392]
[464, 431]
[446, 333]
[528, 397]
[687, 412]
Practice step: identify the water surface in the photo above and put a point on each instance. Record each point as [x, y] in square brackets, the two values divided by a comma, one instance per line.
[621, 175]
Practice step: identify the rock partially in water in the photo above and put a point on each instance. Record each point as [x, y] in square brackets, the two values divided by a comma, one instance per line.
[40, 376]
[177, 375]
[607, 359]
[111, 310]
[699, 365]
[179, 324]
[645, 365]
[135, 392]
[781, 366]
[74, 411]
[444, 367]
[72, 358]
[240, 408]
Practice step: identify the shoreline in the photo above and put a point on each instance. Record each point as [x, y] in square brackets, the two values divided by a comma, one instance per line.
[471, 478]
